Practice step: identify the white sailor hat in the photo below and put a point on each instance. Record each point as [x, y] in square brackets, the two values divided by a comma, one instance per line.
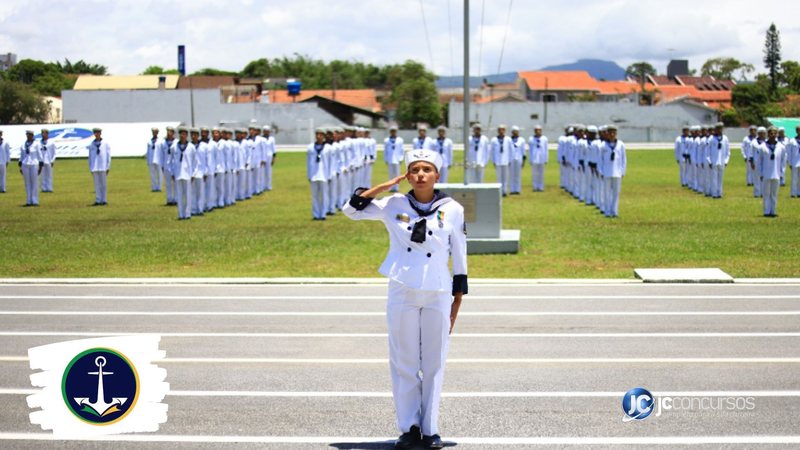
[422, 127]
[424, 155]
[761, 130]
[393, 128]
[781, 129]
[320, 130]
[97, 130]
[773, 128]
[155, 129]
[570, 129]
[441, 128]
[537, 127]
[477, 126]
[170, 128]
[695, 128]
[252, 126]
[719, 125]
[514, 128]
[753, 127]
[611, 128]
[29, 132]
[194, 130]
[204, 129]
[182, 129]
[602, 128]
[241, 130]
[501, 126]
[591, 129]
[266, 128]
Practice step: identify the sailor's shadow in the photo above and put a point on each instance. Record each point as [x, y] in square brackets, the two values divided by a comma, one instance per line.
[377, 445]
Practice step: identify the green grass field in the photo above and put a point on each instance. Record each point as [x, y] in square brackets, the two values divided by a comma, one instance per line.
[660, 225]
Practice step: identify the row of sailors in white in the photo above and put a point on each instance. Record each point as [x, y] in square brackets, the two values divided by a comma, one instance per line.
[338, 161]
[769, 159]
[441, 144]
[36, 158]
[223, 169]
[593, 162]
[702, 153]
[792, 159]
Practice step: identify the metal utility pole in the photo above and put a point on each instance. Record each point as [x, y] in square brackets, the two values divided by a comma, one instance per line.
[465, 124]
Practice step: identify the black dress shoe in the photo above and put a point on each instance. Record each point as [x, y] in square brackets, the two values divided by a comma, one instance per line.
[432, 441]
[409, 439]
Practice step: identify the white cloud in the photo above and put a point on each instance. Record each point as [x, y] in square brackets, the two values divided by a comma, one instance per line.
[129, 35]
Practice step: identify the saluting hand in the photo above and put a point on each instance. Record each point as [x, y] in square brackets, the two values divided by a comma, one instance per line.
[454, 311]
[383, 187]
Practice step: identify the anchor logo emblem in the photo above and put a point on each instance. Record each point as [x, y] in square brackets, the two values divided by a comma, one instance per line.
[89, 377]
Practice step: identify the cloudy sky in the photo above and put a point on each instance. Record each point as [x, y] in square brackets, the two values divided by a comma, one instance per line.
[129, 35]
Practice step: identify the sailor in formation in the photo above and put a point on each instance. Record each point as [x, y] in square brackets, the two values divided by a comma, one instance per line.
[770, 160]
[393, 153]
[422, 141]
[153, 163]
[444, 146]
[500, 151]
[270, 156]
[478, 153]
[794, 163]
[198, 173]
[5, 158]
[318, 158]
[184, 161]
[538, 157]
[163, 158]
[99, 166]
[30, 166]
[682, 155]
[48, 150]
[516, 161]
[703, 153]
[747, 154]
[613, 164]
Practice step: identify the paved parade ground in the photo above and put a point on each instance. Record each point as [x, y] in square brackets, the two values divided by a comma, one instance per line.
[305, 366]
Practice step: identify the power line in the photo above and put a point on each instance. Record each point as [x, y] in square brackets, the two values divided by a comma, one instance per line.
[450, 31]
[427, 38]
[505, 35]
[480, 39]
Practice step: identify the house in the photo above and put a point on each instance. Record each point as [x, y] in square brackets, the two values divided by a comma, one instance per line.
[365, 99]
[558, 86]
[125, 82]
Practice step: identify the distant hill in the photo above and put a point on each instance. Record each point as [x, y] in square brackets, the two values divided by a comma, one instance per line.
[475, 82]
[597, 68]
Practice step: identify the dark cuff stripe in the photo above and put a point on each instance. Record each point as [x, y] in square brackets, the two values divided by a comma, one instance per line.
[357, 201]
[460, 284]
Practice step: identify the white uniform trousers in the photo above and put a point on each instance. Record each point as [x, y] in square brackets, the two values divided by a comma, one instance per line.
[475, 174]
[795, 187]
[537, 171]
[342, 190]
[682, 171]
[260, 176]
[155, 177]
[219, 181]
[169, 185]
[394, 171]
[419, 322]
[708, 173]
[183, 194]
[268, 175]
[717, 175]
[515, 177]
[368, 174]
[241, 184]
[613, 186]
[47, 178]
[444, 174]
[602, 195]
[587, 186]
[230, 187]
[757, 185]
[319, 194]
[562, 173]
[333, 183]
[3, 171]
[503, 173]
[198, 196]
[100, 186]
[769, 188]
[252, 182]
[749, 175]
[211, 192]
[30, 175]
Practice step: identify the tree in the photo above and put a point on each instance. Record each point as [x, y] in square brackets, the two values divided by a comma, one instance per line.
[158, 70]
[790, 75]
[52, 84]
[208, 71]
[20, 104]
[416, 97]
[772, 56]
[45, 78]
[724, 68]
[640, 70]
[81, 67]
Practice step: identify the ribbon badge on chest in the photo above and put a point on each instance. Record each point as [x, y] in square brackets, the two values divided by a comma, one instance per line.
[440, 218]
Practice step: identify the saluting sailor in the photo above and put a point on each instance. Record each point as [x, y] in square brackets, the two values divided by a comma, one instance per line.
[5, 158]
[30, 166]
[426, 228]
[100, 166]
[153, 162]
[48, 150]
[539, 156]
[517, 161]
[393, 153]
[477, 155]
[444, 146]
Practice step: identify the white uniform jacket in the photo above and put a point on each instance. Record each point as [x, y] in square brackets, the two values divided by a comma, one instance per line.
[30, 154]
[537, 149]
[772, 159]
[48, 150]
[613, 160]
[719, 150]
[793, 146]
[426, 144]
[419, 265]
[393, 151]
[152, 151]
[317, 158]
[5, 152]
[445, 148]
[517, 148]
[501, 151]
[99, 156]
[478, 151]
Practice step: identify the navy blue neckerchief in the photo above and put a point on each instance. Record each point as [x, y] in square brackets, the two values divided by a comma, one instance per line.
[421, 227]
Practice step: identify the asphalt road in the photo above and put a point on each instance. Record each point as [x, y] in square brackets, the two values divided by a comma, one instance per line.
[293, 366]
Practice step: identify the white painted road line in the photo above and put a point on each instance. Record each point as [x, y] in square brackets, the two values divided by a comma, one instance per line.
[382, 313]
[757, 360]
[491, 394]
[778, 334]
[643, 296]
[566, 440]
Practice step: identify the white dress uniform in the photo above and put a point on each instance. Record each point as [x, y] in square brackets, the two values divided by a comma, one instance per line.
[260, 163]
[30, 162]
[614, 165]
[48, 151]
[270, 150]
[595, 147]
[333, 175]
[393, 153]
[422, 144]
[583, 176]
[444, 146]
[5, 158]
[244, 160]
[422, 239]
[538, 156]
[681, 149]
[501, 158]
[184, 163]
[719, 152]
[219, 173]
[153, 164]
[198, 178]
[793, 147]
[771, 159]
[518, 156]
[317, 171]
[747, 155]
[231, 170]
[99, 165]
[477, 158]
[212, 153]
[372, 153]
[165, 160]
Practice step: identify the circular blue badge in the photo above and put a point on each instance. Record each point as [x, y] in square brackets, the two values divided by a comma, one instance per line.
[100, 386]
[637, 404]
